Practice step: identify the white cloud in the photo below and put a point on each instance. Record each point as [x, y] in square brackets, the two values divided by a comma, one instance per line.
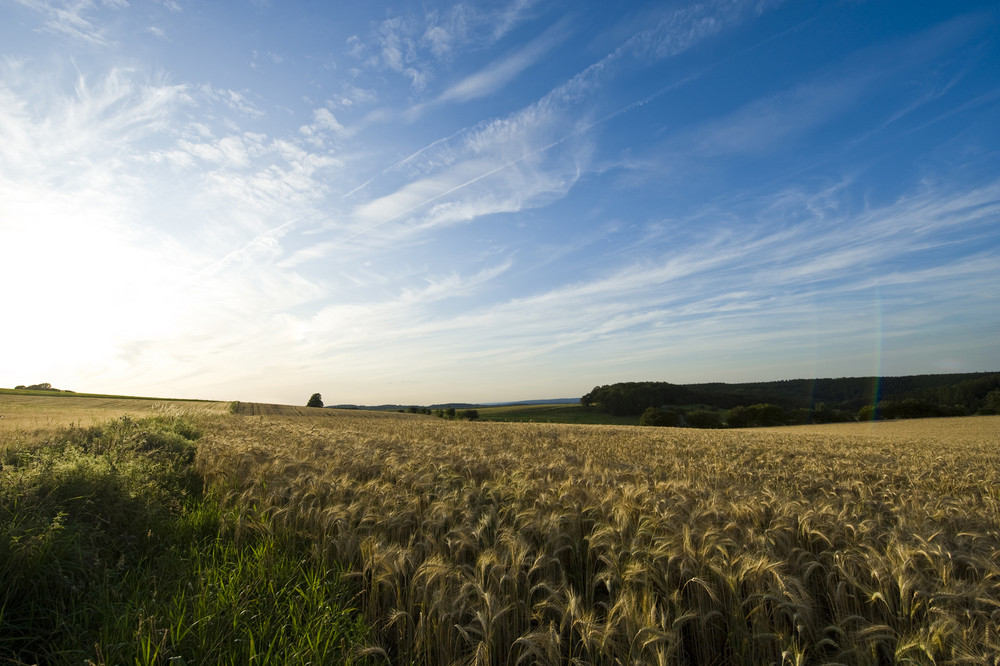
[680, 29]
[490, 79]
[72, 19]
[510, 16]
[82, 212]
[52, 138]
[764, 123]
[501, 170]
[412, 44]
[506, 165]
[181, 246]
[233, 152]
[353, 95]
[739, 293]
[440, 40]
[234, 99]
[324, 119]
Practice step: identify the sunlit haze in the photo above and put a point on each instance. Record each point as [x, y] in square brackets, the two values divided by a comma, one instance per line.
[426, 202]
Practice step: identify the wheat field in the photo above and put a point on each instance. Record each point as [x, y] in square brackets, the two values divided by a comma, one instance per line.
[24, 415]
[487, 543]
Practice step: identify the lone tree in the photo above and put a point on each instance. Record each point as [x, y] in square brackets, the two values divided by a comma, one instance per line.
[315, 401]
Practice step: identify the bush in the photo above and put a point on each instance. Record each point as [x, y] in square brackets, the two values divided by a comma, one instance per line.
[701, 418]
[760, 415]
[991, 403]
[660, 416]
[76, 517]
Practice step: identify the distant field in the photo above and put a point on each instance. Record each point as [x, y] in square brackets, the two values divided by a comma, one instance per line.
[22, 410]
[964, 431]
[266, 409]
[562, 413]
[73, 394]
[42, 410]
[555, 413]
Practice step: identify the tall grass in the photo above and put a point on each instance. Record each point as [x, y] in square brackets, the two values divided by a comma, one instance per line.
[521, 544]
[113, 552]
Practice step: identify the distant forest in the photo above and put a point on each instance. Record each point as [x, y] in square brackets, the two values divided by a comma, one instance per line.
[800, 400]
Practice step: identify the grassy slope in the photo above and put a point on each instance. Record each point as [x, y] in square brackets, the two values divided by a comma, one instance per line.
[112, 552]
[22, 412]
[72, 394]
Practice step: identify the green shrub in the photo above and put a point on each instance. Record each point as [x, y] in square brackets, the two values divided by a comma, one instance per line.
[760, 415]
[701, 418]
[659, 416]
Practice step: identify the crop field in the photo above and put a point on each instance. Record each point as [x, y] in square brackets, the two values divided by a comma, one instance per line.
[554, 413]
[24, 412]
[327, 536]
[507, 543]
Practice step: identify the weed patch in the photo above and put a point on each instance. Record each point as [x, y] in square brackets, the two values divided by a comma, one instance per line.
[112, 551]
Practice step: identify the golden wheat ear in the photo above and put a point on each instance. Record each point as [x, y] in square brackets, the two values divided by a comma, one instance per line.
[522, 543]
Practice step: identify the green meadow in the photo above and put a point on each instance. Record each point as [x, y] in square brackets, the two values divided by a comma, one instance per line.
[554, 413]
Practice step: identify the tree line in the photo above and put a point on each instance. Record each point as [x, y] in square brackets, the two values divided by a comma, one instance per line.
[444, 413]
[799, 401]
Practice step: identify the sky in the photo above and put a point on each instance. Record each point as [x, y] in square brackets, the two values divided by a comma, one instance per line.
[416, 203]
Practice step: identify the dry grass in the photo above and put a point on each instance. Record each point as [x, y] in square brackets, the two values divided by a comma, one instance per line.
[267, 409]
[28, 414]
[966, 430]
[522, 543]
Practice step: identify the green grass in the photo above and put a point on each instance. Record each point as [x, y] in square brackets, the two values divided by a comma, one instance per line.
[112, 552]
[554, 413]
[568, 413]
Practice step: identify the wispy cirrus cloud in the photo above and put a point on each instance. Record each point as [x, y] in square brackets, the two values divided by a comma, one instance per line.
[498, 74]
[781, 117]
[413, 44]
[270, 247]
[743, 292]
[234, 99]
[529, 156]
[74, 19]
[80, 188]
[50, 136]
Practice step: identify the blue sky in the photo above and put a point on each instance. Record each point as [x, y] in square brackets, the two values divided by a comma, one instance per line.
[487, 201]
